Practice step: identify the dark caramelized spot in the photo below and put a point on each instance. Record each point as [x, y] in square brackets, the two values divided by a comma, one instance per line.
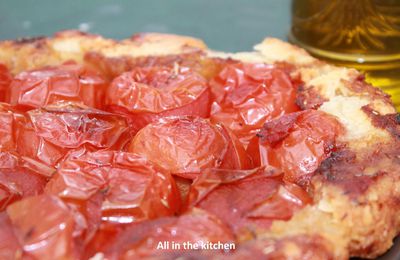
[353, 174]
[360, 86]
[275, 131]
[29, 40]
[390, 122]
[309, 98]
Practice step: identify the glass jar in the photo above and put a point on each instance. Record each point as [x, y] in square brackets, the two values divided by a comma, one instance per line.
[364, 34]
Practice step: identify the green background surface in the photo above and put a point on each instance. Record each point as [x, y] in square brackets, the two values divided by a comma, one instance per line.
[228, 25]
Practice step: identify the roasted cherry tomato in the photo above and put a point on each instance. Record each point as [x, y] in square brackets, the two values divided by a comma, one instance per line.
[247, 200]
[145, 238]
[130, 188]
[20, 177]
[247, 95]
[146, 94]
[45, 227]
[187, 145]
[9, 245]
[68, 82]
[296, 143]
[9, 119]
[5, 80]
[53, 131]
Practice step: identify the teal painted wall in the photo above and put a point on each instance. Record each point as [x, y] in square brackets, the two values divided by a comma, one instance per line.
[229, 25]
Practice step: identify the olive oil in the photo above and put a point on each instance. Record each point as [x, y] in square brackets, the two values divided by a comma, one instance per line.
[364, 34]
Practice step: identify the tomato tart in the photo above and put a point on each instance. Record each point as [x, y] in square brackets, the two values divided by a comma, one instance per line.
[156, 147]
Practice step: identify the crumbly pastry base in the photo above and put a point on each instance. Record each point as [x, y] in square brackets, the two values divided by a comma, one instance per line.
[348, 222]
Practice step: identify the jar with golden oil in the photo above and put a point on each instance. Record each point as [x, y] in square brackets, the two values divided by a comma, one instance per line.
[364, 34]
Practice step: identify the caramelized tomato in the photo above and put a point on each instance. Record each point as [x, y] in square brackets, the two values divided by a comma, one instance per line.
[142, 239]
[247, 200]
[68, 82]
[9, 118]
[247, 95]
[5, 80]
[187, 145]
[131, 188]
[20, 178]
[296, 143]
[44, 227]
[146, 94]
[53, 131]
[9, 245]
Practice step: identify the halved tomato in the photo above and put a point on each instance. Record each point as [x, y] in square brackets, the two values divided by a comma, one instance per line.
[150, 238]
[187, 145]
[247, 95]
[45, 227]
[9, 118]
[247, 200]
[53, 131]
[127, 187]
[20, 177]
[5, 80]
[68, 82]
[296, 143]
[9, 245]
[146, 94]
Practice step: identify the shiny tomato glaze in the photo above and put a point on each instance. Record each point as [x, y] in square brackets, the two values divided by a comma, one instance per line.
[187, 145]
[247, 200]
[67, 82]
[45, 228]
[20, 177]
[247, 95]
[146, 94]
[115, 187]
[296, 143]
[142, 239]
[51, 132]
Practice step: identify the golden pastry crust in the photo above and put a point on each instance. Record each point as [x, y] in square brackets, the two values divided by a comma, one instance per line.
[30, 53]
[357, 221]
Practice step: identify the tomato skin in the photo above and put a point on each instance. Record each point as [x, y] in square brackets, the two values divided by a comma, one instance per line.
[247, 95]
[147, 94]
[52, 237]
[131, 188]
[236, 154]
[187, 145]
[225, 194]
[67, 82]
[9, 119]
[9, 245]
[20, 177]
[296, 143]
[53, 131]
[5, 80]
[141, 239]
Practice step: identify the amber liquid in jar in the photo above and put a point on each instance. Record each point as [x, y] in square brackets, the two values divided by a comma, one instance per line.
[363, 34]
